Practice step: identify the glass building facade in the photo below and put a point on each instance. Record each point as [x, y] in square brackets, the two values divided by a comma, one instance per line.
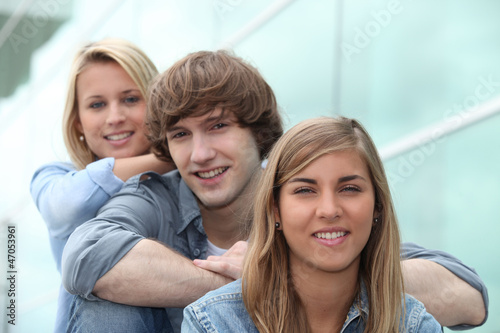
[422, 76]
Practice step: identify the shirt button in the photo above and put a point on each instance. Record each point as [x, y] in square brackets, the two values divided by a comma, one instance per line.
[196, 252]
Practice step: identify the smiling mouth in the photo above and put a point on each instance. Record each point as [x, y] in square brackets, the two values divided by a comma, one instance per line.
[212, 173]
[117, 137]
[330, 235]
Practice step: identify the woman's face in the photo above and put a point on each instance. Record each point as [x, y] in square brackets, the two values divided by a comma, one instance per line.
[327, 211]
[111, 111]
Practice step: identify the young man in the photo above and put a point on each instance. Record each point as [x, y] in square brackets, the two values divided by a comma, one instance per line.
[216, 118]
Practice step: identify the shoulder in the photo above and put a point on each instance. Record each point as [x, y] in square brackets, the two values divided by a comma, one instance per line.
[154, 181]
[147, 194]
[151, 186]
[47, 173]
[417, 319]
[230, 292]
[54, 167]
[221, 310]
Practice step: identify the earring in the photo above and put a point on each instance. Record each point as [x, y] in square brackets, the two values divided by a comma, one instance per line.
[277, 225]
[82, 138]
[375, 220]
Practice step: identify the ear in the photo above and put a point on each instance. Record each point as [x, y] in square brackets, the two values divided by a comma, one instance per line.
[377, 213]
[277, 216]
[78, 125]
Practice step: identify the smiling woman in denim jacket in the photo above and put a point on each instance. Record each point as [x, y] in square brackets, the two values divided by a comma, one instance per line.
[104, 133]
[324, 250]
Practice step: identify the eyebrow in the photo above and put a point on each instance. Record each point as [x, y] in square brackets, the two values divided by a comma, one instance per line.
[314, 182]
[92, 96]
[351, 177]
[174, 128]
[128, 91]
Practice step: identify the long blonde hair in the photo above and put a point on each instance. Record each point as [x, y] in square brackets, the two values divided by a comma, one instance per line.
[268, 290]
[135, 62]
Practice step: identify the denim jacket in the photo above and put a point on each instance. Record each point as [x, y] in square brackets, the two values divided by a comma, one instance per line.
[223, 310]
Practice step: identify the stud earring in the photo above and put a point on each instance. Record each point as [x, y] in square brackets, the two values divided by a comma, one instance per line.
[82, 138]
[277, 225]
[375, 220]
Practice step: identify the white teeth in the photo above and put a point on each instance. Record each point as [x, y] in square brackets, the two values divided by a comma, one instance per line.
[330, 235]
[212, 173]
[118, 136]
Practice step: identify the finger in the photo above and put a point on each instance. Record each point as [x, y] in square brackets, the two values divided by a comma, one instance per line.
[235, 261]
[237, 250]
[220, 267]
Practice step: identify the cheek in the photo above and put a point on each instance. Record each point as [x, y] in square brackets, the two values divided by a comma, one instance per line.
[139, 116]
[90, 123]
[365, 222]
[178, 155]
[249, 148]
[295, 216]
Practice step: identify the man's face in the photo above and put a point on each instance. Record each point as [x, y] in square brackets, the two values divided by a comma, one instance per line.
[216, 158]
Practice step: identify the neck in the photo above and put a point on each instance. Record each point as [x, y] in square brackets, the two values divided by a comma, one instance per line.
[326, 296]
[223, 226]
[226, 225]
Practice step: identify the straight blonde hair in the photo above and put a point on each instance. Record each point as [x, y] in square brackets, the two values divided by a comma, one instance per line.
[135, 62]
[268, 291]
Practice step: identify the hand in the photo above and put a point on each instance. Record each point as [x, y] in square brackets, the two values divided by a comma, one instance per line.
[230, 264]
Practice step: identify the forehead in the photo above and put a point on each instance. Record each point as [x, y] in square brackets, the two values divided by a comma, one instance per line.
[104, 76]
[337, 164]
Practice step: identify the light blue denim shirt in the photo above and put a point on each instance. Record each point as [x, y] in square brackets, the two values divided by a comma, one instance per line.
[223, 310]
[66, 198]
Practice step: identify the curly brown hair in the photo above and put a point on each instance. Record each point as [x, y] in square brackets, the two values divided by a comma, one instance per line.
[203, 80]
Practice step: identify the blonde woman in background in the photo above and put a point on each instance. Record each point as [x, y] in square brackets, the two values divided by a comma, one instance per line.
[324, 250]
[105, 135]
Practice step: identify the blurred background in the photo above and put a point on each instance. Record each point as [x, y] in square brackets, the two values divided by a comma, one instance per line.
[422, 76]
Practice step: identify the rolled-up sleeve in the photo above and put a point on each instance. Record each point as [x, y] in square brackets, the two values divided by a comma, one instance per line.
[464, 272]
[67, 198]
[97, 245]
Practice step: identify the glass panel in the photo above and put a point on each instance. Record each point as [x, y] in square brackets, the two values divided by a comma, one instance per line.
[398, 66]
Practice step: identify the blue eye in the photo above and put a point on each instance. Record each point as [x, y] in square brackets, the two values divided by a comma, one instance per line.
[97, 105]
[351, 188]
[303, 190]
[131, 100]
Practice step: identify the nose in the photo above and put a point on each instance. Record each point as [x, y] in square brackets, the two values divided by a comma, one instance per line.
[329, 206]
[202, 150]
[116, 114]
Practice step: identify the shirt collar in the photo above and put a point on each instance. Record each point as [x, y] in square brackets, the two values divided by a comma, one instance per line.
[359, 306]
[189, 209]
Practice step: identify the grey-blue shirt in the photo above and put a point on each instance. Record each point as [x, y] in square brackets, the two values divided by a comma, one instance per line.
[164, 208]
[161, 207]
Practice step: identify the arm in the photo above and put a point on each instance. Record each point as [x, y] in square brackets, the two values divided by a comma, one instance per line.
[81, 193]
[451, 291]
[125, 168]
[112, 256]
[165, 279]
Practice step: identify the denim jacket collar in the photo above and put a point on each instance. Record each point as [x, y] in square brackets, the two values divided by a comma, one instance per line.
[358, 308]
